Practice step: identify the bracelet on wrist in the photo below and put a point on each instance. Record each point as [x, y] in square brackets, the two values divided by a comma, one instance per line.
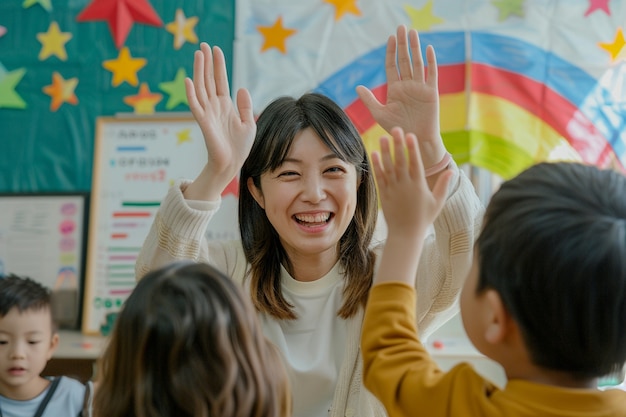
[439, 166]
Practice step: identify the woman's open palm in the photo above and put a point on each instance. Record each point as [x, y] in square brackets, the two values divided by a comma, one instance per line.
[228, 132]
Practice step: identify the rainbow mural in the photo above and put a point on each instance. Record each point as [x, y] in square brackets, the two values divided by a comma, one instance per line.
[502, 110]
[520, 81]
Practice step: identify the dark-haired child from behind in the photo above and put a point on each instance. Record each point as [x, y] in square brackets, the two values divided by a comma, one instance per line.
[545, 298]
[28, 338]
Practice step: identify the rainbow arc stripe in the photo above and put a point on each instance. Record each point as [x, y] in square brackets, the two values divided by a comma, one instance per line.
[505, 103]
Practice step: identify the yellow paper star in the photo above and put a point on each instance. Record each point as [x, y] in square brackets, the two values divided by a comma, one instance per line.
[145, 101]
[124, 68]
[344, 6]
[61, 91]
[275, 35]
[423, 19]
[614, 48]
[183, 136]
[53, 42]
[182, 29]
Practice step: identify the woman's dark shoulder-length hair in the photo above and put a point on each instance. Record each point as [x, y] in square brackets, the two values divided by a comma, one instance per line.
[277, 126]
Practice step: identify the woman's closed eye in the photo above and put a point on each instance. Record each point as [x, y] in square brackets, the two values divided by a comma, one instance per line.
[287, 174]
[336, 170]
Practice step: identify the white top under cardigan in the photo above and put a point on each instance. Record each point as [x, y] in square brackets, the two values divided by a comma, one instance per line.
[178, 232]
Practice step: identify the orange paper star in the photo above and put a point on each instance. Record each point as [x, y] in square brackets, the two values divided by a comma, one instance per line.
[275, 35]
[120, 15]
[145, 101]
[61, 91]
[344, 6]
[614, 48]
[53, 42]
[182, 29]
[124, 68]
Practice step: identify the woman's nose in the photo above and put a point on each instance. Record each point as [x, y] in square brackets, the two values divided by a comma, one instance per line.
[314, 190]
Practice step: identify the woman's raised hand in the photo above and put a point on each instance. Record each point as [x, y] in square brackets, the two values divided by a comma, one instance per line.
[412, 94]
[228, 132]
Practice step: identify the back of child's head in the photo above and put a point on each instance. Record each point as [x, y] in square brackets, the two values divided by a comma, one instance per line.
[553, 245]
[187, 343]
[22, 293]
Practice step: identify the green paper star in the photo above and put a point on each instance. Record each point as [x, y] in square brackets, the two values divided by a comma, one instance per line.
[46, 4]
[8, 80]
[176, 90]
[508, 8]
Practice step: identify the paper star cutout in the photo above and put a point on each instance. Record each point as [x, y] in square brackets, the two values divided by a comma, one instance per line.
[508, 8]
[44, 3]
[182, 29]
[120, 15]
[61, 91]
[614, 48]
[145, 101]
[598, 5]
[423, 19]
[8, 81]
[232, 188]
[176, 90]
[275, 35]
[3, 31]
[183, 136]
[344, 6]
[53, 42]
[124, 68]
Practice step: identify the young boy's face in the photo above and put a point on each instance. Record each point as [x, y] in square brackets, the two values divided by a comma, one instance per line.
[26, 344]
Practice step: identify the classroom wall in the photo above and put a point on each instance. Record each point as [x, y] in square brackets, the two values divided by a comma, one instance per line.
[46, 46]
[521, 81]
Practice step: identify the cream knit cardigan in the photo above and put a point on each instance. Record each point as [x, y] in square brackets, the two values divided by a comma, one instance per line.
[178, 232]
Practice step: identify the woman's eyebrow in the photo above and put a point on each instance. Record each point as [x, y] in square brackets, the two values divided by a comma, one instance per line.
[324, 158]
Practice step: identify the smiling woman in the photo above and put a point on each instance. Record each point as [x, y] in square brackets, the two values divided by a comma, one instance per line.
[307, 213]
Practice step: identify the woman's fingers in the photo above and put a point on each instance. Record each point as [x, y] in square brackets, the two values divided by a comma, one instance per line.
[209, 80]
[220, 75]
[416, 52]
[404, 58]
[431, 59]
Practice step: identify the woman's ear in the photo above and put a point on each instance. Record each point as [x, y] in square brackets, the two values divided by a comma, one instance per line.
[256, 193]
[497, 326]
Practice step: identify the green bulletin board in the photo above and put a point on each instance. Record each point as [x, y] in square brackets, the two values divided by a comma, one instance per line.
[61, 69]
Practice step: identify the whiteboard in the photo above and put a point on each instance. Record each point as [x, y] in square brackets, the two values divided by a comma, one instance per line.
[136, 160]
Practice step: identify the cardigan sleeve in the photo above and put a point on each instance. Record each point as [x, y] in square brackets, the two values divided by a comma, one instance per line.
[177, 232]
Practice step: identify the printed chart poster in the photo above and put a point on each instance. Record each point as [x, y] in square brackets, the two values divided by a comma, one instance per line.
[136, 160]
[42, 237]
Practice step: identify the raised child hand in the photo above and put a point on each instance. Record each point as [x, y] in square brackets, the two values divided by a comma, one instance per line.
[228, 133]
[409, 205]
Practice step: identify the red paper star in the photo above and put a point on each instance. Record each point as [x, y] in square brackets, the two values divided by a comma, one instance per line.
[598, 5]
[232, 188]
[120, 14]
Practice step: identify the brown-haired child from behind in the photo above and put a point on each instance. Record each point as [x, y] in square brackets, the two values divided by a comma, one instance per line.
[188, 344]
